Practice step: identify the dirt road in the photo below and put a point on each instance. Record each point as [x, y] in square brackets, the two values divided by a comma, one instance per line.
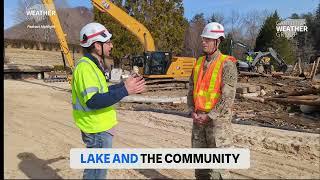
[39, 132]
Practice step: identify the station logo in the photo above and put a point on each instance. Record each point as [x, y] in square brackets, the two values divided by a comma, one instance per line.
[290, 27]
[38, 13]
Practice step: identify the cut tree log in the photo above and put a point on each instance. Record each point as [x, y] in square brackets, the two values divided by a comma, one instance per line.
[299, 65]
[252, 89]
[250, 97]
[316, 70]
[274, 74]
[298, 93]
[292, 77]
[279, 84]
[305, 97]
[295, 101]
[245, 111]
[277, 73]
[254, 74]
[294, 68]
[312, 69]
[244, 115]
[154, 99]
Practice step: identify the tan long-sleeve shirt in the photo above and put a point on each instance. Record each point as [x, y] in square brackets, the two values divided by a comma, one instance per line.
[228, 88]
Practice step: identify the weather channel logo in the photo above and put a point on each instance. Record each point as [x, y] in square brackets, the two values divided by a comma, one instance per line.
[39, 13]
[290, 27]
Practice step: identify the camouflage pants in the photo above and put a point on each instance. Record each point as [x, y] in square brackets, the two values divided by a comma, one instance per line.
[216, 133]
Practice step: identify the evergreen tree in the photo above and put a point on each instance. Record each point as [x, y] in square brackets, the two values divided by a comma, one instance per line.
[193, 45]
[268, 37]
[284, 48]
[267, 33]
[164, 20]
[225, 46]
[212, 18]
[316, 30]
[294, 16]
[124, 43]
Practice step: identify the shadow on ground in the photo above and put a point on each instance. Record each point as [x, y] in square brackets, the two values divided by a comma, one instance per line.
[36, 168]
[152, 174]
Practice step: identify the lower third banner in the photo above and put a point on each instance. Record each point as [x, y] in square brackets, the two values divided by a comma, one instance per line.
[160, 158]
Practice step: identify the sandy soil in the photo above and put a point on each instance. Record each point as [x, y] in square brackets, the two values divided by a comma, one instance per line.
[39, 132]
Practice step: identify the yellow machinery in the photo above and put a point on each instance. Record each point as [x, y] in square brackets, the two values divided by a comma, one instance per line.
[60, 34]
[152, 64]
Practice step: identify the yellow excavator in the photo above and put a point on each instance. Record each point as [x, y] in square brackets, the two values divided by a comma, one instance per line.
[152, 64]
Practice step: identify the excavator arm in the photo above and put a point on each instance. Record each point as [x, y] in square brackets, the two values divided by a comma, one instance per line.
[59, 32]
[130, 23]
[280, 63]
[238, 43]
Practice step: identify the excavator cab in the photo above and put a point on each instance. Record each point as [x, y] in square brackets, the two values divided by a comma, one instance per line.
[153, 63]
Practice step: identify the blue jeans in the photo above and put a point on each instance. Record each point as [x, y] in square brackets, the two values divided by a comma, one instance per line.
[96, 140]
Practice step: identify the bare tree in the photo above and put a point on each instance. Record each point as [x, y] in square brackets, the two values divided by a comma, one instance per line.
[20, 13]
[217, 17]
[235, 24]
[193, 45]
[252, 22]
[61, 4]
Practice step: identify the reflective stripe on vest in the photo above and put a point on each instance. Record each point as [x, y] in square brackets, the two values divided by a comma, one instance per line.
[82, 60]
[78, 105]
[207, 87]
[89, 90]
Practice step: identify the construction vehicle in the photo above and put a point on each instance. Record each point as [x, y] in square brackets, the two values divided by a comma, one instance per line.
[153, 65]
[65, 51]
[262, 62]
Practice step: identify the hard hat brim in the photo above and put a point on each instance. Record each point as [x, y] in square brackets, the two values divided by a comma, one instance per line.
[99, 39]
[212, 37]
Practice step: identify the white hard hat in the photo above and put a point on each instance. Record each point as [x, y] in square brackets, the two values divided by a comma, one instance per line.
[93, 32]
[213, 30]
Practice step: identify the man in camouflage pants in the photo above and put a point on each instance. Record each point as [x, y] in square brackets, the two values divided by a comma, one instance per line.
[211, 109]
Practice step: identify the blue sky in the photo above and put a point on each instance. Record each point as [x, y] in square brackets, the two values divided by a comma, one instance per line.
[284, 7]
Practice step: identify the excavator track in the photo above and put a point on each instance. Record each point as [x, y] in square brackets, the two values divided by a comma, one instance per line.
[166, 84]
[52, 80]
[56, 77]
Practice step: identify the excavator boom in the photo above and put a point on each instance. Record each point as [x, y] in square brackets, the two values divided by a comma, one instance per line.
[59, 32]
[130, 23]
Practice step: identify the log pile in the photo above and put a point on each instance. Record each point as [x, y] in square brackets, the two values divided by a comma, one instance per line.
[274, 74]
[309, 97]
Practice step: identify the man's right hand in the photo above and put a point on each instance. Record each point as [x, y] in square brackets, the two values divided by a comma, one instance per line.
[135, 85]
[200, 119]
[194, 116]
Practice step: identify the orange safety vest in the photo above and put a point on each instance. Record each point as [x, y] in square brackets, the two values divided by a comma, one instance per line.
[207, 87]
